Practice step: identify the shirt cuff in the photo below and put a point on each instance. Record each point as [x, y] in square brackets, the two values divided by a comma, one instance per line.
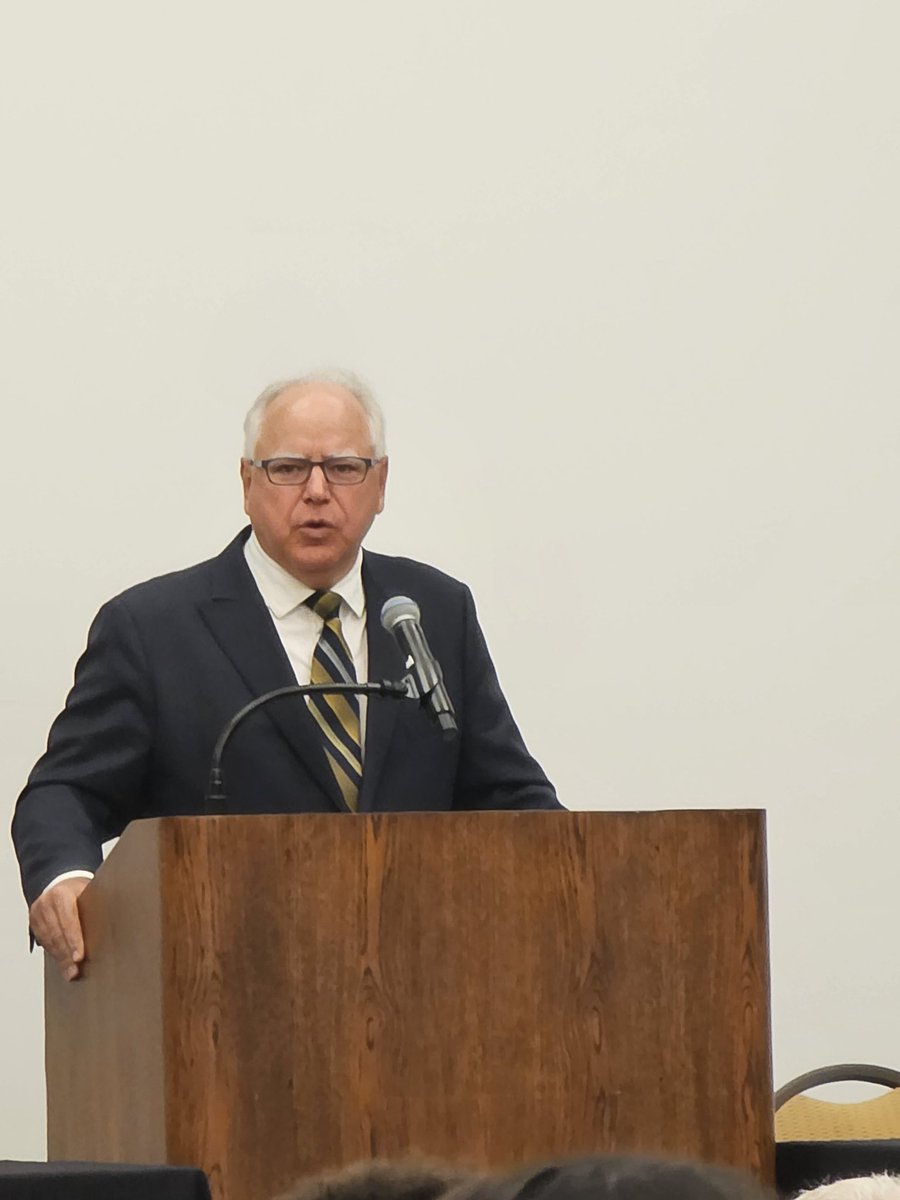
[67, 875]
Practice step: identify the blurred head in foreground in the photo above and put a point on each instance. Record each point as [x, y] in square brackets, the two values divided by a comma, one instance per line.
[626, 1177]
[377, 1179]
[606, 1178]
[864, 1187]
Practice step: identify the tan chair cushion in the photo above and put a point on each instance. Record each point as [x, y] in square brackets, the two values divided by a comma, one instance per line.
[803, 1119]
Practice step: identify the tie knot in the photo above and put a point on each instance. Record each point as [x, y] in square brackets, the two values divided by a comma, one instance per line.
[324, 604]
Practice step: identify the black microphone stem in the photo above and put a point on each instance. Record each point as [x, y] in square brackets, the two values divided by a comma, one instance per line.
[215, 789]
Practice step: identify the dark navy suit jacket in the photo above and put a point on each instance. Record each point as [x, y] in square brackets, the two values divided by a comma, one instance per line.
[170, 661]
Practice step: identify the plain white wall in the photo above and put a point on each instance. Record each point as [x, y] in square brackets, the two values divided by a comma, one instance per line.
[625, 276]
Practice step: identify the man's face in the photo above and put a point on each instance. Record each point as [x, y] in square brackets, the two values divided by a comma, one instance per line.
[313, 529]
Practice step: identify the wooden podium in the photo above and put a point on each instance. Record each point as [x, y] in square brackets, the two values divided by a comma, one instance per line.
[269, 995]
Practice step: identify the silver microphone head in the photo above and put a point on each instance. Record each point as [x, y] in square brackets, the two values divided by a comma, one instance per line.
[398, 608]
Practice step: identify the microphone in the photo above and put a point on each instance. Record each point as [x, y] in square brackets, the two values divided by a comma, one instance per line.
[214, 800]
[400, 616]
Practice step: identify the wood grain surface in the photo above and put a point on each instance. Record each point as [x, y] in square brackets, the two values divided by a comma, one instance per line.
[270, 995]
[103, 1033]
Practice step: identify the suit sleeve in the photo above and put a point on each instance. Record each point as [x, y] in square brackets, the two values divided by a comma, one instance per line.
[88, 784]
[495, 769]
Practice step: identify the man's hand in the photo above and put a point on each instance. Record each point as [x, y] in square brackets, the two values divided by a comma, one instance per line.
[57, 927]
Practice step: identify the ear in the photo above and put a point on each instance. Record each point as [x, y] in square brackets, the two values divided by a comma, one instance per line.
[382, 468]
[246, 476]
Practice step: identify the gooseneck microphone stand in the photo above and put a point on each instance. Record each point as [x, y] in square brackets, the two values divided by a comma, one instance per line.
[214, 799]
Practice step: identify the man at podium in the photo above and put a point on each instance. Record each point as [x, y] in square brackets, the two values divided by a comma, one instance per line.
[292, 599]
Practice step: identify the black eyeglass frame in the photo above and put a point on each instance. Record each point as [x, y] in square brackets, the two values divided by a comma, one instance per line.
[264, 463]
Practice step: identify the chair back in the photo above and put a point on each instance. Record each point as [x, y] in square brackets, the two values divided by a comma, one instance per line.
[800, 1118]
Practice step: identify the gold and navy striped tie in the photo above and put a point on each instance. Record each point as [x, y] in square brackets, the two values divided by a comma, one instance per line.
[336, 715]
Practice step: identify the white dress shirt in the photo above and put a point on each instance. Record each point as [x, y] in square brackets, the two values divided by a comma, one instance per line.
[299, 627]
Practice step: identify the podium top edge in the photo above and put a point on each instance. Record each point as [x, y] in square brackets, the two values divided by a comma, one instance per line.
[463, 814]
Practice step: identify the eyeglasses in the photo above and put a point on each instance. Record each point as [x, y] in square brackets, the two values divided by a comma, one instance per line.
[343, 469]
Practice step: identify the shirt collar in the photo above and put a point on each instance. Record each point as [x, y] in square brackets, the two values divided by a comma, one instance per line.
[283, 593]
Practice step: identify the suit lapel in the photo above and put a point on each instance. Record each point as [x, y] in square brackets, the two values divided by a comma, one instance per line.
[385, 662]
[238, 619]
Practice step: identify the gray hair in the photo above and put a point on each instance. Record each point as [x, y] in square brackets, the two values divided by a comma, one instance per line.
[345, 379]
[863, 1187]
[381, 1179]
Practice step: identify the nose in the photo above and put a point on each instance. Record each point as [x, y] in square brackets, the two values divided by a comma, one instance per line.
[316, 487]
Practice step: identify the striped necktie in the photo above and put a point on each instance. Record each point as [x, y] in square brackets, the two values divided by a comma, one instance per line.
[336, 715]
